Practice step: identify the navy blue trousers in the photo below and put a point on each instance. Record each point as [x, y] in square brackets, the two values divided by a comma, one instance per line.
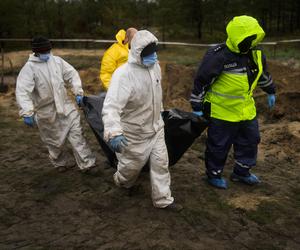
[244, 136]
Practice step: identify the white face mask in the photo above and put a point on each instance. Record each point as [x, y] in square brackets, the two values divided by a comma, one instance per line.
[44, 57]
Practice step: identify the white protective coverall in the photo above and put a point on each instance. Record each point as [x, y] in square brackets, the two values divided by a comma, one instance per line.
[132, 107]
[41, 92]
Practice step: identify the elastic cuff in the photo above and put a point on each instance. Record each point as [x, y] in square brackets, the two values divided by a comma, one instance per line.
[28, 115]
[78, 91]
[110, 135]
[197, 107]
[197, 110]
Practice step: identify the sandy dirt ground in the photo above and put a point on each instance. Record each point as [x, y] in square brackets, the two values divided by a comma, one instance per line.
[41, 208]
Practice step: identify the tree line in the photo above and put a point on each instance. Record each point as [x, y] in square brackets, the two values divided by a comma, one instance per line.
[194, 20]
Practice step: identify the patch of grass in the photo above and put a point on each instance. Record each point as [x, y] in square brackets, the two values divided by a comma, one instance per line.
[193, 55]
[207, 212]
[266, 213]
[282, 52]
[83, 62]
[182, 55]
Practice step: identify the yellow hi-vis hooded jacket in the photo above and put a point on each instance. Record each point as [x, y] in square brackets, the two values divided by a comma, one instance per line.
[114, 57]
[226, 78]
[231, 93]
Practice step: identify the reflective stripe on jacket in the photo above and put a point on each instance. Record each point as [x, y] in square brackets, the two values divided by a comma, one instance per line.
[231, 95]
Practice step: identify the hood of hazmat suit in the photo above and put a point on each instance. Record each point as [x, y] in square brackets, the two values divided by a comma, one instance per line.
[241, 27]
[134, 100]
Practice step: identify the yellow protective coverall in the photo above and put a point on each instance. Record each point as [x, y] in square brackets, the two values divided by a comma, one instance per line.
[114, 57]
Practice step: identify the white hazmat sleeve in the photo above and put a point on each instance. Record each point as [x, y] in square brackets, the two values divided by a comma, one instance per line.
[24, 89]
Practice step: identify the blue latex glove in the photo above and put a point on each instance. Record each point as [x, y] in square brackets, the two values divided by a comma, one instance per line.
[271, 100]
[78, 99]
[198, 113]
[118, 143]
[29, 120]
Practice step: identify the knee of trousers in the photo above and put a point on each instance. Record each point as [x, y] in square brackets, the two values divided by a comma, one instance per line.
[126, 180]
[127, 172]
[216, 156]
[161, 161]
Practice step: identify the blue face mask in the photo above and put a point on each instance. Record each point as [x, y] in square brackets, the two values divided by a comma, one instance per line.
[150, 60]
[44, 57]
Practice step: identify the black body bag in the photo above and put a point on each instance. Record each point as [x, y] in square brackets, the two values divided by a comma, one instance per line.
[181, 128]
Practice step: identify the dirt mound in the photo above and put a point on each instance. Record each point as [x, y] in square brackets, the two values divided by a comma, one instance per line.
[294, 129]
[248, 201]
[177, 85]
[287, 107]
[90, 81]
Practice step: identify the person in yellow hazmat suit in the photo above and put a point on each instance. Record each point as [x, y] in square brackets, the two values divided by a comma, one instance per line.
[115, 55]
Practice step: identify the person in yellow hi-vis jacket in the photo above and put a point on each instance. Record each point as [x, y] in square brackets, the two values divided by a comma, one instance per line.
[223, 93]
[115, 55]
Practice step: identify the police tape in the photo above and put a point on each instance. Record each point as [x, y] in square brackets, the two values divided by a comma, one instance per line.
[271, 43]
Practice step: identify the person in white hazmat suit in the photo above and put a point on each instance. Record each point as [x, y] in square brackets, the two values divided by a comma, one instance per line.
[132, 119]
[43, 101]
